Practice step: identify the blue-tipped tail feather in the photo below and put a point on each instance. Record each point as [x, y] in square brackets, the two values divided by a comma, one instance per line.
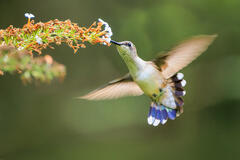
[171, 113]
[160, 114]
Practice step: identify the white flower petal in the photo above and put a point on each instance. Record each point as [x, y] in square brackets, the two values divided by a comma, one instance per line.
[107, 28]
[38, 39]
[29, 15]
[100, 20]
[20, 48]
[26, 15]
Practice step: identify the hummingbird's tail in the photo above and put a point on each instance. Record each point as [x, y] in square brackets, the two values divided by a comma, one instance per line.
[177, 83]
[160, 112]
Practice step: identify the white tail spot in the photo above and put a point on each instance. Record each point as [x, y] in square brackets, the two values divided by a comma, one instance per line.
[183, 83]
[156, 122]
[180, 76]
[150, 120]
[184, 93]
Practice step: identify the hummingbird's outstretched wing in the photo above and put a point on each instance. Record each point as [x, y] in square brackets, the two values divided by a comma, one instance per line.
[121, 87]
[183, 54]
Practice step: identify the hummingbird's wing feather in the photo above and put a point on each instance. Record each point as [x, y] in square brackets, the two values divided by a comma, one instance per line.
[121, 87]
[183, 54]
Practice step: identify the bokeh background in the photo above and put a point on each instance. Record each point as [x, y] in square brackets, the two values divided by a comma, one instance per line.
[45, 122]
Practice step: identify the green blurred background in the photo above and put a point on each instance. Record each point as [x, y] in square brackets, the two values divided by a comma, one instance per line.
[45, 122]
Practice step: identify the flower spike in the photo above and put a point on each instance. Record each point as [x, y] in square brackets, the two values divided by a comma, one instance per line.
[20, 45]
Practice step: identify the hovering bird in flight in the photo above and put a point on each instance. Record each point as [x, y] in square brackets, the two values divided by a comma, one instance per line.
[158, 79]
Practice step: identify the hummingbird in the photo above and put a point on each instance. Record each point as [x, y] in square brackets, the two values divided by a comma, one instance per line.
[158, 79]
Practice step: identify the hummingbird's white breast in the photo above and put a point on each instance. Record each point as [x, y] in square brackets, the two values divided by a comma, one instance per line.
[149, 79]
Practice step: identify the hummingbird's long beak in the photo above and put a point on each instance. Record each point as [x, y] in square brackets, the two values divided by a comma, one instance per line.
[114, 42]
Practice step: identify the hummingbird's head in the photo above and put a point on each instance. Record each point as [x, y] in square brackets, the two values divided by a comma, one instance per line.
[126, 48]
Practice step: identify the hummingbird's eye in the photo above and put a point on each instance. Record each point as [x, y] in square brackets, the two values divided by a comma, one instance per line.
[129, 44]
